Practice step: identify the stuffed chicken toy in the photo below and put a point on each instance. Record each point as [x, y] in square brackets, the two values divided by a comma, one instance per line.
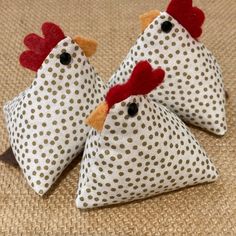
[137, 147]
[193, 88]
[45, 122]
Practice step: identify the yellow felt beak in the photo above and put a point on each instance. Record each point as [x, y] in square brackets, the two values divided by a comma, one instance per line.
[97, 118]
[147, 18]
[89, 46]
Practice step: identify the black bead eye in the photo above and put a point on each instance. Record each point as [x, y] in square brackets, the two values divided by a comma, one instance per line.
[166, 26]
[132, 109]
[65, 58]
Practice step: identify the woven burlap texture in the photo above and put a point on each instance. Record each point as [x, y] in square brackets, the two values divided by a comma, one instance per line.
[201, 210]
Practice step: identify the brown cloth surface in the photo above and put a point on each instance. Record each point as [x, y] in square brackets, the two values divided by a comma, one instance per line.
[201, 210]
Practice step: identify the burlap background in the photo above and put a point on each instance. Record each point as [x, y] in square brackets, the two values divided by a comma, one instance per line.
[202, 210]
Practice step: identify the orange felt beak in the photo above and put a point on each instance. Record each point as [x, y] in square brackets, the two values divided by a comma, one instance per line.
[97, 118]
[147, 18]
[89, 46]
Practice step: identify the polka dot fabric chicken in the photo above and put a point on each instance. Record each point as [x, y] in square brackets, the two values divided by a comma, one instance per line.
[193, 88]
[45, 122]
[138, 148]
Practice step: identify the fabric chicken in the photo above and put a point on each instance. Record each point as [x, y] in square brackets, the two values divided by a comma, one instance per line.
[193, 88]
[45, 122]
[138, 148]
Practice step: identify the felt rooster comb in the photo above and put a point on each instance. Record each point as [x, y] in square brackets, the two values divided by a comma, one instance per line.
[191, 18]
[142, 81]
[39, 47]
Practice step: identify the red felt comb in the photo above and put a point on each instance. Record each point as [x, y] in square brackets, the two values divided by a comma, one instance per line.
[188, 16]
[142, 81]
[40, 47]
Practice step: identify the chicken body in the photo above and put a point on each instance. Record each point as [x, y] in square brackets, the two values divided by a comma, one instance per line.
[45, 122]
[136, 157]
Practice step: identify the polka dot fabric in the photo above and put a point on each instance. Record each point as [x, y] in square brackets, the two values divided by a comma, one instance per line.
[136, 157]
[193, 88]
[45, 122]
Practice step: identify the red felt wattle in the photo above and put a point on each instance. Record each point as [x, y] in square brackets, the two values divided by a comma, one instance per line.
[142, 81]
[191, 18]
[40, 47]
